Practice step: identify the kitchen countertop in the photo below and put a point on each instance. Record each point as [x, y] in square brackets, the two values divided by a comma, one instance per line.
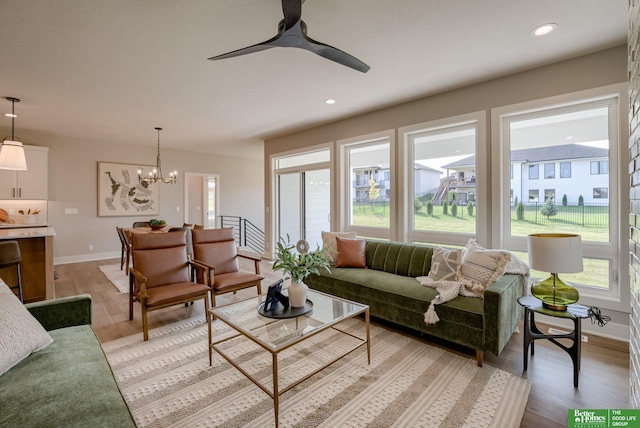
[27, 232]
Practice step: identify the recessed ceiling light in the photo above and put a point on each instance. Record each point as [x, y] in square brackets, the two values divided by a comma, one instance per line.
[330, 101]
[544, 29]
[10, 115]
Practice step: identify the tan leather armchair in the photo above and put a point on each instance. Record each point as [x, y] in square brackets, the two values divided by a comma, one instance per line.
[159, 277]
[215, 259]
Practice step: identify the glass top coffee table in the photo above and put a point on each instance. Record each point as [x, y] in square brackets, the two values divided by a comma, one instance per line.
[277, 335]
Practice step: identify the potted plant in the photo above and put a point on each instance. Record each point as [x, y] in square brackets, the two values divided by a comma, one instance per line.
[297, 265]
[157, 224]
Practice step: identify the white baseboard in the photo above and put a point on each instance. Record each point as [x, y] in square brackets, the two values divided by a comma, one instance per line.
[86, 258]
[611, 330]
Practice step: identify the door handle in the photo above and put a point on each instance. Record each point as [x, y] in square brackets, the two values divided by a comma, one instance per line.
[13, 192]
[19, 192]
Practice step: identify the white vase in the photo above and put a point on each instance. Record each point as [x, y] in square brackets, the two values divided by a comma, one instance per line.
[297, 294]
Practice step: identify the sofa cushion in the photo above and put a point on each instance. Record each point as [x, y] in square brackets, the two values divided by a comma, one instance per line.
[329, 243]
[445, 264]
[481, 267]
[399, 258]
[398, 293]
[68, 384]
[351, 253]
[20, 333]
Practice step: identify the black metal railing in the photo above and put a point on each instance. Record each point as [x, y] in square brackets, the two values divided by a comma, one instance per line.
[246, 234]
[586, 215]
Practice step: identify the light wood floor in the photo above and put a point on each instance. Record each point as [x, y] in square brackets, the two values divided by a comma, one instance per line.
[604, 377]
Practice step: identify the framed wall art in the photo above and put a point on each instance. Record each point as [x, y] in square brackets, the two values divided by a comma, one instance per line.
[120, 194]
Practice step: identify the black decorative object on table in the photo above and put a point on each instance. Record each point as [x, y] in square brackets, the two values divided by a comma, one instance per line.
[274, 296]
[276, 305]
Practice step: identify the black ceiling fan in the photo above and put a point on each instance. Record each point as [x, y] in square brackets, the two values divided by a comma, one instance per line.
[292, 33]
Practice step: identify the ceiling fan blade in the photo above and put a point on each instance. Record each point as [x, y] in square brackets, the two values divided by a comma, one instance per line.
[334, 54]
[249, 49]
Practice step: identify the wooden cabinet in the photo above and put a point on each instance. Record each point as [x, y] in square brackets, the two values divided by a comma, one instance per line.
[36, 267]
[29, 184]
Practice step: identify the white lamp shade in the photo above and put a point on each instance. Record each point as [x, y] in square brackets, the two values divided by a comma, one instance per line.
[12, 156]
[555, 252]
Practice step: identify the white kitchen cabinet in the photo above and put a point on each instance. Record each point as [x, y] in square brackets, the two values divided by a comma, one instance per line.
[29, 184]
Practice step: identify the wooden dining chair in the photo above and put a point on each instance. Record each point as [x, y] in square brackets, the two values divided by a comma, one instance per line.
[188, 235]
[198, 227]
[215, 260]
[125, 250]
[160, 275]
[140, 224]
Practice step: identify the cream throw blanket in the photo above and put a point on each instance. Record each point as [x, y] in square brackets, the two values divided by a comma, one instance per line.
[449, 290]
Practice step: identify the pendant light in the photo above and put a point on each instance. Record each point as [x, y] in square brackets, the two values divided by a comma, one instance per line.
[11, 150]
[155, 176]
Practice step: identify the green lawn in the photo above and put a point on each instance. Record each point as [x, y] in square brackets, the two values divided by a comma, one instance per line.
[592, 226]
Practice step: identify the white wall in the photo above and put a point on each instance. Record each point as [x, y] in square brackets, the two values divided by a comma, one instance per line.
[73, 184]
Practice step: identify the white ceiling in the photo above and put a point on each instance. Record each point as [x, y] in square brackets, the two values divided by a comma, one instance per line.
[112, 70]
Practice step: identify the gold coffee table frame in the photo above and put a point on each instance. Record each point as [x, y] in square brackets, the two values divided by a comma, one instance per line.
[238, 316]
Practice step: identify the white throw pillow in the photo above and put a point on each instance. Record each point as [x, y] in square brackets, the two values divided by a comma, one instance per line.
[330, 245]
[481, 267]
[20, 333]
[445, 264]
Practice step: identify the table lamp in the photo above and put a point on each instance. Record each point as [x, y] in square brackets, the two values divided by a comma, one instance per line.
[555, 253]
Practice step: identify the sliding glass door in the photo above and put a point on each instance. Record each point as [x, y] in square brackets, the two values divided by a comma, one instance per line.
[303, 197]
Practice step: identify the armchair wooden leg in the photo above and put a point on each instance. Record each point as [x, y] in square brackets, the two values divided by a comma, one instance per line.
[479, 355]
[130, 307]
[259, 289]
[145, 326]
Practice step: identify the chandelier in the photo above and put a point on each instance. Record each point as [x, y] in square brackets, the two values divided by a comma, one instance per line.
[155, 175]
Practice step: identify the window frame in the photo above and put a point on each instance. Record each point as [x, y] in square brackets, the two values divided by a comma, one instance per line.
[406, 227]
[344, 183]
[614, 251]
[565, 163]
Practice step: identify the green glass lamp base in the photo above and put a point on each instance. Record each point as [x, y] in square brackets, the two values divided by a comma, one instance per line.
[554, 293]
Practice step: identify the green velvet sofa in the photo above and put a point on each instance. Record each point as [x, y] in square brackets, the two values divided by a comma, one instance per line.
[67, 384]
[389, 287]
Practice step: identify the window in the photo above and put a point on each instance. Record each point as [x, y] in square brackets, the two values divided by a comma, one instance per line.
[599, 167]
[533, 133]
[600, 193]
[549, 194]
[549, 170]
[366, 193]
[533, 172]
[441, 166]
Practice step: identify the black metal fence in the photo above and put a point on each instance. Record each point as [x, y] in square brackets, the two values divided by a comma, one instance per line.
[586, 215]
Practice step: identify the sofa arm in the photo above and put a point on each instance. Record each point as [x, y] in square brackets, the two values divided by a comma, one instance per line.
[62, 312]
[502, 313]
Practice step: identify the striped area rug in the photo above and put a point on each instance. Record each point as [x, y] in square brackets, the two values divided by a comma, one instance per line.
[167, 382]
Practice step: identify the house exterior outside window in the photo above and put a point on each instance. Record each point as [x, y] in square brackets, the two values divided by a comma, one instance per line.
[549, 170]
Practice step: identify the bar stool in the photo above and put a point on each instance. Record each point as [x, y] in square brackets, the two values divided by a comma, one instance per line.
[10, 256]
